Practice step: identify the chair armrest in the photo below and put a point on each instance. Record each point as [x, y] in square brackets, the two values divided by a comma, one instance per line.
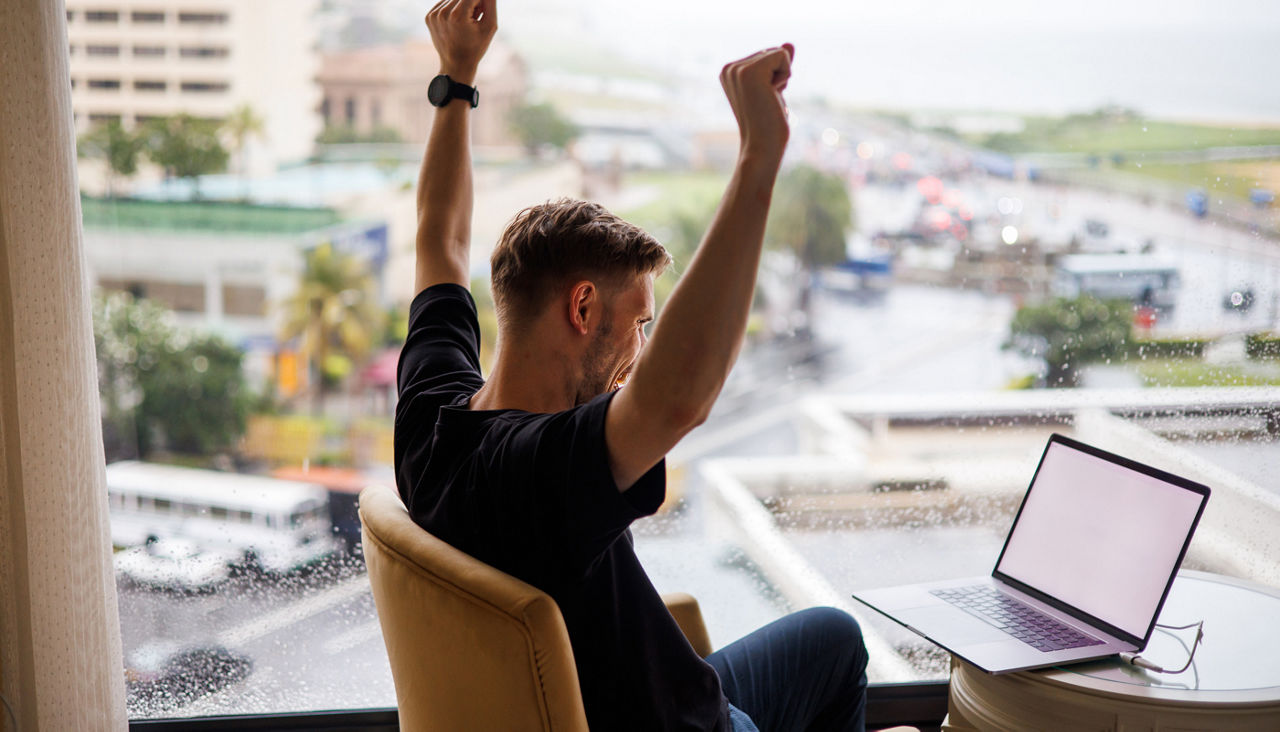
[684, 608]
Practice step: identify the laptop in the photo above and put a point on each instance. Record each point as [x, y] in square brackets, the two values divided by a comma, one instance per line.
[1083, 573]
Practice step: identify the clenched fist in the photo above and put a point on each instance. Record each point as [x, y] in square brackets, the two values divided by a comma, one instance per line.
[754, 86]
[461, 31]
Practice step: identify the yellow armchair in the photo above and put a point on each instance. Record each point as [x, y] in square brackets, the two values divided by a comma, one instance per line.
[472, 647]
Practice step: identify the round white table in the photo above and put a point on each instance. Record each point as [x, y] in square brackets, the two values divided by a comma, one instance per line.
[1233, 685]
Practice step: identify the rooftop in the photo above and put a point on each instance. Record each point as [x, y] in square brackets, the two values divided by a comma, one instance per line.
[206, 216]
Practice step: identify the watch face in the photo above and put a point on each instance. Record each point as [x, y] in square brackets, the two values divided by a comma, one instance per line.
[438, 91]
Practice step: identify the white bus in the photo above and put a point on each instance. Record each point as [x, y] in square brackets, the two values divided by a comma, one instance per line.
[1144, 279]
[280, 524]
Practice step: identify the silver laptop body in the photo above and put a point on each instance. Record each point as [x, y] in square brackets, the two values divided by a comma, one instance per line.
[1094, 547]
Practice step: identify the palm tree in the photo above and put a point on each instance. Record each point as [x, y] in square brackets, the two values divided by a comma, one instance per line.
[334, 312]
[243, 124]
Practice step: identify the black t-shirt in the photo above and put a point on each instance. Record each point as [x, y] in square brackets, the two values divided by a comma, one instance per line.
[533, 495]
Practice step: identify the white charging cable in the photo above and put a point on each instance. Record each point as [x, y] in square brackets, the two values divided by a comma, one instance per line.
[1136, 660]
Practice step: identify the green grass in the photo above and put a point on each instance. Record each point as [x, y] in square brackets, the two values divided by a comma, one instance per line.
[1234, 179]
[1104, 135]
[1191, 372]
[1019, 383]
[681, 209]
[677, 191]
[1120, 139]
[677, 215]
[203, 216]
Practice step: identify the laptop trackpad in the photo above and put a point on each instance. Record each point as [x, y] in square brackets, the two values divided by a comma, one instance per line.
[949, 625]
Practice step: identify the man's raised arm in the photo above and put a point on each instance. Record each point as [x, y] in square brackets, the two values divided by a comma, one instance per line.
[460, 31]
[697, 338]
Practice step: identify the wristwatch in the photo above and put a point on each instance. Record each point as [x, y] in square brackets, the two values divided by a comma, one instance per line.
[443, 90]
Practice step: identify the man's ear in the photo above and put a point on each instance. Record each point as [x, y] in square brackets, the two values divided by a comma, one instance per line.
[583, 299]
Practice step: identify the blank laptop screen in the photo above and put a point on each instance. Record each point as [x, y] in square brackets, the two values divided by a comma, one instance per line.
[1100, 536]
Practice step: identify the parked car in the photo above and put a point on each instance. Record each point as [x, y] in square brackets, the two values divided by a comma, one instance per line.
[164, 675]
[173, 563]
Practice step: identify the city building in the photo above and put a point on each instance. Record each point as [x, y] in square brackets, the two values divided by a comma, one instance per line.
[223, 267]
[386, 87]
[132, 61]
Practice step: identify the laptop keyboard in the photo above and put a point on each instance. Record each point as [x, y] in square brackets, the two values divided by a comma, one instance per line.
[1015, 618]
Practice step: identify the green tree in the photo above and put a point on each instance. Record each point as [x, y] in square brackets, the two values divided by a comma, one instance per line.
[538, 126]
[811, 214]
[186, 147]
[243, 124]
[335, 314]
[1068, 333]
[163, 387]
[114, 145]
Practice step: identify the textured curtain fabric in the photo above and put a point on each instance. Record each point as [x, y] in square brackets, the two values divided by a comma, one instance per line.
[60, 654]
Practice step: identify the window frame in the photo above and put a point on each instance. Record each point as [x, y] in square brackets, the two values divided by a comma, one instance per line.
[148, 17]
[102, 15]
[920, 703]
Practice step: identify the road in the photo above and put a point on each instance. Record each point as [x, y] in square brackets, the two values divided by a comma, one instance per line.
[1214, 260]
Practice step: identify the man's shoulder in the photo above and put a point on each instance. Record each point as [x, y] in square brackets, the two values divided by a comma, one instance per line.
[442, 293]
[443, 315]
[442, 348]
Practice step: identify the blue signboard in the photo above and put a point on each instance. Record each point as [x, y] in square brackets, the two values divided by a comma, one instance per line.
[367, 241]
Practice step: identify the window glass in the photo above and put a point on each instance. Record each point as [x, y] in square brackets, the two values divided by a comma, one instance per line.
[201, 87]
[203, 51]
[203, 18]
[995, 221]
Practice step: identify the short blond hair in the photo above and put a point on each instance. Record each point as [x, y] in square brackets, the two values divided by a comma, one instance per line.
[546, 246]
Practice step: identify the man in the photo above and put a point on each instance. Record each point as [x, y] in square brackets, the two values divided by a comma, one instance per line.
[540, 469]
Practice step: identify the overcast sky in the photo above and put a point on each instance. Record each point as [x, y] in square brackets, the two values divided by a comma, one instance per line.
[1206, 59]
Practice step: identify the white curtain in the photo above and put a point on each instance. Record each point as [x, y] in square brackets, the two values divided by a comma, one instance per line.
[60, 653]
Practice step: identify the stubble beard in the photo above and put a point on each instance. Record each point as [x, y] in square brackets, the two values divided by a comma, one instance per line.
[597, 370]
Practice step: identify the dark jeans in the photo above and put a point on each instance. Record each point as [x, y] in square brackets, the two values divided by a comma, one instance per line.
[807, 671]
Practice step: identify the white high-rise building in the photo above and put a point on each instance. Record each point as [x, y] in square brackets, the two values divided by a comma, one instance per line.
[132, 60]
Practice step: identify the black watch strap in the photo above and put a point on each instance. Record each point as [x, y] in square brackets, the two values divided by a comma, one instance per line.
[443, 90]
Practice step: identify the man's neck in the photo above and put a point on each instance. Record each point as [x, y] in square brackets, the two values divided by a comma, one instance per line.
[529, 381]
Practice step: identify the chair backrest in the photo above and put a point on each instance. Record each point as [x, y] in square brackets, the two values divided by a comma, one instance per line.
[471, 647]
